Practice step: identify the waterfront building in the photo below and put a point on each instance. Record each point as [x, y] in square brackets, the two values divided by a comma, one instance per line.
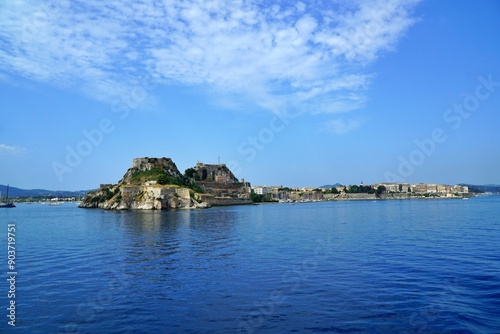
[261, 190]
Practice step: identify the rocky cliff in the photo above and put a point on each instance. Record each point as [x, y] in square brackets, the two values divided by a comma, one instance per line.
[151, 183]
[157, 184]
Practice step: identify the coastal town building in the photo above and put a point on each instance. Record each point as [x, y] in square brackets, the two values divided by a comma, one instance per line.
[261, 190]
[419, 188]
[391, 187]
[422, 188]
[380, 191]
[432, 188]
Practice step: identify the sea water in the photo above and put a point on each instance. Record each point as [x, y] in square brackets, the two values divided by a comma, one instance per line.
[396, 266]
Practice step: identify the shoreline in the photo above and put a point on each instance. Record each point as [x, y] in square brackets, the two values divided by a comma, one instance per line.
[370, 197]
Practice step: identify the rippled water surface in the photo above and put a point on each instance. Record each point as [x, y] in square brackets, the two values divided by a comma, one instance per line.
[411, 266]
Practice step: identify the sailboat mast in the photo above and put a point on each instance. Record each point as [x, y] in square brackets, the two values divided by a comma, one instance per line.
[6, 204]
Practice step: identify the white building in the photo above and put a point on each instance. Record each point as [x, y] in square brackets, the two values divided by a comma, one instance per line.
[261, 190]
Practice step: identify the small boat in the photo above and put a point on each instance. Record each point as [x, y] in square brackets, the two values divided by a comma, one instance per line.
[7, 204]
[55, 203]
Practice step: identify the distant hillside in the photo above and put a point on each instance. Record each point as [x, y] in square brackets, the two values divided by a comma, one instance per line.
[329, 186]
[16, 192]
[487, 188]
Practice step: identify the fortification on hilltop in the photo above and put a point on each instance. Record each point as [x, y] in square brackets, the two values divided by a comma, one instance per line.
[220, 186]
[156, 183]
[214, 173]
[148, 164]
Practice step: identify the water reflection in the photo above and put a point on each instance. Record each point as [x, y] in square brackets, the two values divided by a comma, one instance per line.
[157, 242]
[190, 254]
[384, 267]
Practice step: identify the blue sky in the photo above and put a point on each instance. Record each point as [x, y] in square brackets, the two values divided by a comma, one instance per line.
[286, 93]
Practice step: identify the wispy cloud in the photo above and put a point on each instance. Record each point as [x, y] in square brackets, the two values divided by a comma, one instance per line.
[311, 57]
[341, 126]
[11, 150]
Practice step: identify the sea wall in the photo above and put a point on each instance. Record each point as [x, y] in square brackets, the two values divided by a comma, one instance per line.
[224, 200]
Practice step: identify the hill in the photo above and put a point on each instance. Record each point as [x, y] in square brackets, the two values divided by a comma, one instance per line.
[20, 193]
[329, 186]
[157, 184]
[487, 188]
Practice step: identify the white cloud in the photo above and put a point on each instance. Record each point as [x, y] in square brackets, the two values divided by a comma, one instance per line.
[11, 150]
[340, 126]
[375, 26]
[309, 57]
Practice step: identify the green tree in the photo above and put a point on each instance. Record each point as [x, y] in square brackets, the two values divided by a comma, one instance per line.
[332, 190]
[163, 179]
[256, 198]
[381, 190]
[190, 172]
[353, 189]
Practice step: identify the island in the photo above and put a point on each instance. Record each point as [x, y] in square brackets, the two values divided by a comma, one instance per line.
[157, 184]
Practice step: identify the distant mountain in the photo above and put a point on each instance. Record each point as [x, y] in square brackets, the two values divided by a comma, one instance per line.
[487, 188]
[329, 186]
[16, 192]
